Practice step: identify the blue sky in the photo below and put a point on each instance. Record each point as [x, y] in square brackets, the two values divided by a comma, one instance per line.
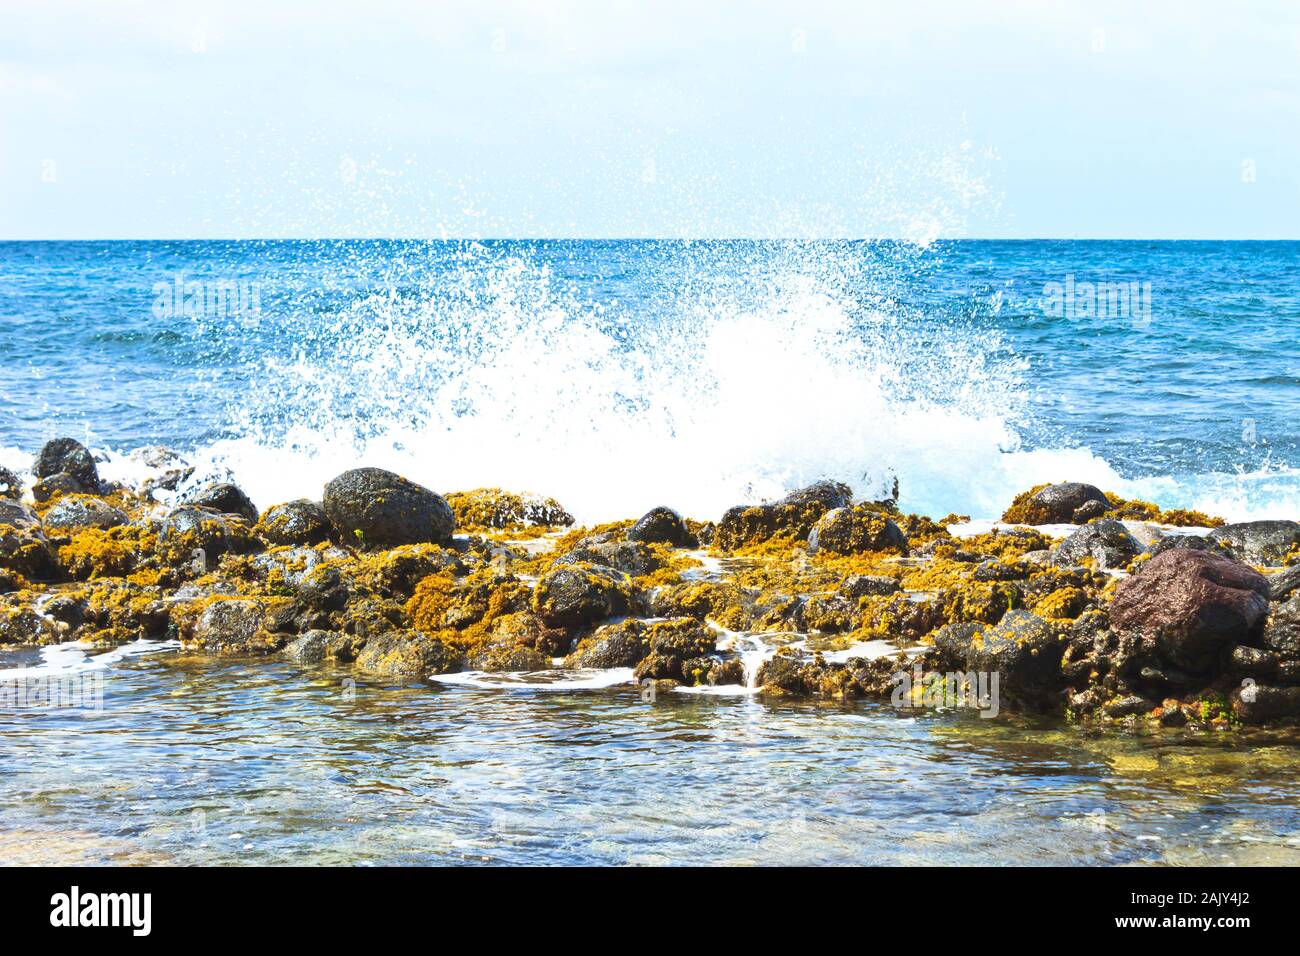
[917, 119]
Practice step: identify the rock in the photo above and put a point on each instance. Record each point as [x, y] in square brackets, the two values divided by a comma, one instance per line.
[83, 511]
[624, 644]
[22, 625]
[18, 515]
[378, 509]
[224, 498]
[1069, 502]
[1025, 651]
[296, 522]
[1282, 629]
[285, 569]
[791, 517]
[578, 595]
[324, 589]
[406, 654]
[858, 586]
[1259, 542]
[952, 644]
[1129, 706]
[195, 538]
[23, 548]
[661, 526]
[1261, 704]
[494, 508]
[1284, 583]
[672, 645]
[311, 648]
[504, 654]
[627, 557]
[1194, 542]
[396, 572]
[1252, 662]
[60, 484]
[234, 627]
[10, 485]
[854, 530]
[1107, 542]
[66, 456]
[1195, 604]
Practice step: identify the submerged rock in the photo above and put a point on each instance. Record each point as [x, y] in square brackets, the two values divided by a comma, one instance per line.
[792, 517]
[1259, 542]
[1194, 604]
[1106, 542]
[375, 509]
[1069, 502]
[661, 526]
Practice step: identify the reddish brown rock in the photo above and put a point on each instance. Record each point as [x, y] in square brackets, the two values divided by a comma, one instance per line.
[1195, 604]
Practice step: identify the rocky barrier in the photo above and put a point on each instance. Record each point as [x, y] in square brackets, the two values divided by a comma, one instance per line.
[1079, 602]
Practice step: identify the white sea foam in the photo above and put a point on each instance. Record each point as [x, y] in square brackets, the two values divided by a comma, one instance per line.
[587, 679]
[75, 657]
[751, 371]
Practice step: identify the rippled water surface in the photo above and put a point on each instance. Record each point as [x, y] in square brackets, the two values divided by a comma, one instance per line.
[195, 760]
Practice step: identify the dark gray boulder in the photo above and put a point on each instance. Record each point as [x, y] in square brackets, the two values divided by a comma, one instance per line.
[577, 595]
[67, 456]
[1107, 542]
[661, 526]
[1069, 502]
[1284, 583]
[1282, 629]
[854, 530]
[377, 509]
[298, 522]
[225, 498]
[1259, 542]
[83, 511]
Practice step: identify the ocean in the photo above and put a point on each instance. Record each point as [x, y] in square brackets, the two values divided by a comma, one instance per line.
[619, 375]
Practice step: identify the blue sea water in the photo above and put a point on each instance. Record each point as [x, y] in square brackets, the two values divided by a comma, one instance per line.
[621, 374]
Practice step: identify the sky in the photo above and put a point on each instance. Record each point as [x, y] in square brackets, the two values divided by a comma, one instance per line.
[919, 120]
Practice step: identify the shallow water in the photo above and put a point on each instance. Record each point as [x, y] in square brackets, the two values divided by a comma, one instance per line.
[197, 760]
